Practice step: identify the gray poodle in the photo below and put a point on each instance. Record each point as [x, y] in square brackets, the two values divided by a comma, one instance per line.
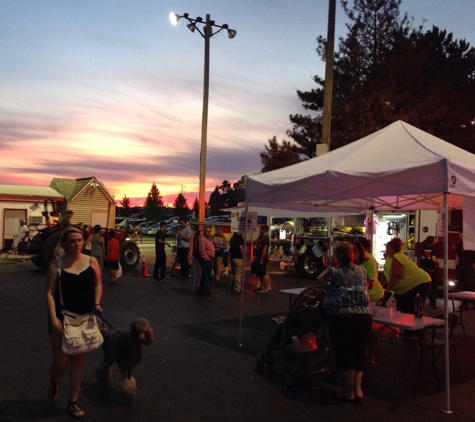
[125, 347]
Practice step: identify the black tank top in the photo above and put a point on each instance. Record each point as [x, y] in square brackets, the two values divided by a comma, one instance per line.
[78, 292]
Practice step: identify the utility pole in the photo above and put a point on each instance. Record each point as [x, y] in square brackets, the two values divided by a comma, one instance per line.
[329, 57]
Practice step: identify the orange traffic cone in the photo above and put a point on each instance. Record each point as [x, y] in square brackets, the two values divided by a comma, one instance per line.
[144, 268]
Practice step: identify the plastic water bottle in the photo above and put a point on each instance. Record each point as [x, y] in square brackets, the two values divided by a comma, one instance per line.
[392, 306]
[418, 306]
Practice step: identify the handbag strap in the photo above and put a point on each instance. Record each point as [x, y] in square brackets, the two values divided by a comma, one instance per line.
[60, 264]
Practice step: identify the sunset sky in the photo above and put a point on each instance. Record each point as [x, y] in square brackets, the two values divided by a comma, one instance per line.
[111, 89]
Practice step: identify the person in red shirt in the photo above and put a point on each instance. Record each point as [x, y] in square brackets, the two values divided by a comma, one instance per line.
[113, 256]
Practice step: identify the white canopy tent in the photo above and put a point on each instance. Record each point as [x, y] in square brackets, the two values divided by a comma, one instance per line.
[399, 167]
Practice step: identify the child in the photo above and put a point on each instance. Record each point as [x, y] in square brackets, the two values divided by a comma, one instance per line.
[113, 256]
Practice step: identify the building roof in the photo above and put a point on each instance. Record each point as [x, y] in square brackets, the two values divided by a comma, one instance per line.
[25, 191]
[70, 188]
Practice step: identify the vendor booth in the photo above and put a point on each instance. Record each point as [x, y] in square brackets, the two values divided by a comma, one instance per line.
[397, 168]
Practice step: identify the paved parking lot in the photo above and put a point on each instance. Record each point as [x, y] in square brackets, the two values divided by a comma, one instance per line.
[195, 370]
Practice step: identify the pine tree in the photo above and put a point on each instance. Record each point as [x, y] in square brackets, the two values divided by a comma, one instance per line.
[386, 70]
[125, 204]
[240, 189]
[180, 205]
[277, 155]
[153, 208]
[196, 207]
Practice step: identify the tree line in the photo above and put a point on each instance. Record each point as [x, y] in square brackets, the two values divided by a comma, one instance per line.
[223, 196]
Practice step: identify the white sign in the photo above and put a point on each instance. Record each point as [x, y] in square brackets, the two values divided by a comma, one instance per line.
[238, 221]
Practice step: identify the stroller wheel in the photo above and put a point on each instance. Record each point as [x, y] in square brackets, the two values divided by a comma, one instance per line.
[260, 362]
[270, 361]
[290, 375]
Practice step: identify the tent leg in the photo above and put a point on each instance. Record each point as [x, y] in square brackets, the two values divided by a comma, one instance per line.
[243, 283]
[446, 304]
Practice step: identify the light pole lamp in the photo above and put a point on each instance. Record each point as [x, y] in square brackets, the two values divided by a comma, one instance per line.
[206, 31]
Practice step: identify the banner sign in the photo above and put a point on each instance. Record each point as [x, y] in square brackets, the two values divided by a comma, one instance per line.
[238, 221]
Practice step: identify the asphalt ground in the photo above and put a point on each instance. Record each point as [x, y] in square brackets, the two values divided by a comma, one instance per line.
[196, 371]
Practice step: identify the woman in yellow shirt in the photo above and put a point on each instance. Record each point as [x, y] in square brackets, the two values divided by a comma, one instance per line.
[404, 277]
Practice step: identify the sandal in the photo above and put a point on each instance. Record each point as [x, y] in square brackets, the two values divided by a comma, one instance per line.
[74, 411]
[341, 396]
[53, 391]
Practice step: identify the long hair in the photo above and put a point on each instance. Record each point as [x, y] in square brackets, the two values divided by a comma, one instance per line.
[197, 234]
[361, 251]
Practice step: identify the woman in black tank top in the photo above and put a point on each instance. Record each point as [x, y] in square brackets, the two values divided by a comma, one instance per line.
[82, 291]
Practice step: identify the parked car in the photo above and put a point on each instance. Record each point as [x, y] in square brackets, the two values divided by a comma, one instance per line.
[212, 218]
[131, 224]
[172, 229]
[151, 230]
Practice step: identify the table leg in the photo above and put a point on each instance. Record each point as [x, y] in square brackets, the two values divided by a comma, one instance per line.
[422, 347]
[463, 303]
[461, 314]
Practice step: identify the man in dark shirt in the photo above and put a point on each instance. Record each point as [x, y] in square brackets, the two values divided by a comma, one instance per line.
[236, 247]
[160, 255]
[66, 220]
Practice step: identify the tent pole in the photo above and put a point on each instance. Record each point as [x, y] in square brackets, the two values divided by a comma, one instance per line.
[446, 303]
[243, 282]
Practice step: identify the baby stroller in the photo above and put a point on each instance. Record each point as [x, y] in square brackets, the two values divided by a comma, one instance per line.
[298, 341]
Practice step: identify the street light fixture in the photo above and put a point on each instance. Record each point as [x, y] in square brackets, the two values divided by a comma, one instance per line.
[206, 31]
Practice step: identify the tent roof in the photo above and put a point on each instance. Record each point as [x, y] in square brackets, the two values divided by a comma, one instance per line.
[398, 167]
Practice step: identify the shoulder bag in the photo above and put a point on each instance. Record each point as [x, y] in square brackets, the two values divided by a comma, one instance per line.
[88, 246]
[81, 333]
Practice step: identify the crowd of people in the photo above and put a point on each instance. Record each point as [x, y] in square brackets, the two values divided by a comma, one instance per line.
[351, 282]
[211, 255]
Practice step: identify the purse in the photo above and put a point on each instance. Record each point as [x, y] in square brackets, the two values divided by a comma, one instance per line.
[119, 271]
[88, 246]
[81, 333]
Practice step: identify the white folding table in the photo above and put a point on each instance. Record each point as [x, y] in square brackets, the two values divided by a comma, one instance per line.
[464, 297]
[411, 323]
[293, 292]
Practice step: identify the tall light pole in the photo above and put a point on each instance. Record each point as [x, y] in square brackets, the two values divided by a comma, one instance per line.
[329, 57]
[206, 32]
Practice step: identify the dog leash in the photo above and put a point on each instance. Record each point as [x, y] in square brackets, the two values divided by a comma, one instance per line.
[99, 314]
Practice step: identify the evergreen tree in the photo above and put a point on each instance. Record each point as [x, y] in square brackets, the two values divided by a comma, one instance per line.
[387, 70]
[239, 190]
[227, 196]
[215, 203]
[125, 204]
[153, 208]
[180, 205]
[196, 207]
[277, 155]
